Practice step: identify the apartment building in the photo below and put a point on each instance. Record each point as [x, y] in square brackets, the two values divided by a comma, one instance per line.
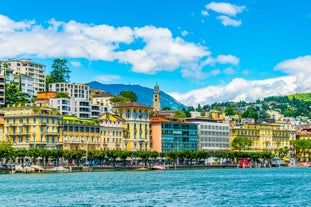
[112, 131]
[136, 125]
[31, 69]
[103, 99]
[169, 134]
[213, 135]
[74, 90]
[270, 137]
[32, 126]
[81, 134]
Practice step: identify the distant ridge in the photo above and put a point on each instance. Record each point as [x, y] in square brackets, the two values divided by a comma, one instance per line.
[144, 94]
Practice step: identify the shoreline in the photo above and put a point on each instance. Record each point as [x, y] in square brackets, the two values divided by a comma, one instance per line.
[67, 169]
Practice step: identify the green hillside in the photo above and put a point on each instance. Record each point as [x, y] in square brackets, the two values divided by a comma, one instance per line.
[306, 97]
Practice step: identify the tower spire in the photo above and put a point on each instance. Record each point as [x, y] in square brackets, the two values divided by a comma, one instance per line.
[156, 97]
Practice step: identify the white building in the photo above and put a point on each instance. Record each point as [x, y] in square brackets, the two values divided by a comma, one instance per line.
[80, 108]
[34, 70]
[213, 135]
[27, 84]
[103, 99]
[74, 90]
[112, 131]
[65, 106]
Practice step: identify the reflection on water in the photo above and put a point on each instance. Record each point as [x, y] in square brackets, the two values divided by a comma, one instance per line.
[229, 187]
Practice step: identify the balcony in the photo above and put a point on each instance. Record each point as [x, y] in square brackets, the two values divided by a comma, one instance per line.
[37, 143]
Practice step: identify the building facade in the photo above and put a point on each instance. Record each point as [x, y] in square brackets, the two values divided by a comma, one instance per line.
[81, 134]
[136, 125]
[213, 135]
[103, 99]
[33, 126]
[33, 70]
[112, 131]
[74, 90]
[173, 135]
[265, 137]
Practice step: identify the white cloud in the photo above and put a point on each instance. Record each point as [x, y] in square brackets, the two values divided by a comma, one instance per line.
[222, 59]
[238, 89]
[227, 59]
[297, 81]
[204, 13]
[184, 33]
[215, 72]
[75, 64]
[229, 71]
[107, 78]
[157, 50]
[225, 8]
[300, 68]
[227, 21]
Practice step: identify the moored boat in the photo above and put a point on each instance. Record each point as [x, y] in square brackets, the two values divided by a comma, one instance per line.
[158, 167]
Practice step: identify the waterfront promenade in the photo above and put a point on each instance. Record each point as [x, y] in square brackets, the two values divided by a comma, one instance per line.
[216, 187]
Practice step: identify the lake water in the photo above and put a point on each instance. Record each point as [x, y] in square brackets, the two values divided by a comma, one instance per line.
[220, 187]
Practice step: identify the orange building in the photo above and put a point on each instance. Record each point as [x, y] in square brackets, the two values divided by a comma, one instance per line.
[44, 97]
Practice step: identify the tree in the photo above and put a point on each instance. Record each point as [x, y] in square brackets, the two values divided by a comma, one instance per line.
[62, 95]
[250, 113]
[60, 72]
[229, 111]
[129, 95]
[119, 100]
[186, 112]
[166, 108]
[14, 95]
[179, 114]
[241, 143]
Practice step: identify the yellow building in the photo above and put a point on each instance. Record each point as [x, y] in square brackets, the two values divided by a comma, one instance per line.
[81, 134]
[112, 131]
[215, 115]
[136, 125]
[270, 137]
[33, 126]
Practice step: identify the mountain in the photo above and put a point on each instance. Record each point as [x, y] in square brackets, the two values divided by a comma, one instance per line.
[144, 94]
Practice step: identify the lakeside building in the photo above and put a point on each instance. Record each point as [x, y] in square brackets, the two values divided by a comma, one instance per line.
[112, 131]
[102, 99]
[78, 104]
[74, 90]
[80, 108]
[136, 125]
[213, 135]
[81, 134]
[173, 135]
[28, 68]
[265, 137]
[33, 126]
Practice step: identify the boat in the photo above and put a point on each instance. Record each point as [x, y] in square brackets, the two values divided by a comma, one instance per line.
[141, 169]
[157, 167]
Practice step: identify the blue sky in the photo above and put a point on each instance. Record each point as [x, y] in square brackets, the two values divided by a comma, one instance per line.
[198, 51]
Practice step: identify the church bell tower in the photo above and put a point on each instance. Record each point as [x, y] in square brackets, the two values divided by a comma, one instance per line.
[156, 98]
